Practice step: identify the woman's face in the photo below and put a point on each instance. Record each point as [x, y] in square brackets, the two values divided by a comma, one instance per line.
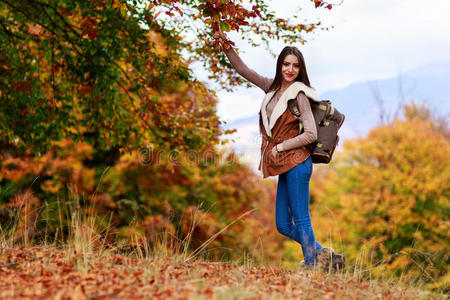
[290, 68]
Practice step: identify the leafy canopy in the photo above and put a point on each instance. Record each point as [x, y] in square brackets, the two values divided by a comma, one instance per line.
[102, 71]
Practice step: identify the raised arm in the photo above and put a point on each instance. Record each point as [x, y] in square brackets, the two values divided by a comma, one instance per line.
[249, 74]
[309, 134]
[243, 70]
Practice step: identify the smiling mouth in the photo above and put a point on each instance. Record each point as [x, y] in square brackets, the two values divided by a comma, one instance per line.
[289, 75]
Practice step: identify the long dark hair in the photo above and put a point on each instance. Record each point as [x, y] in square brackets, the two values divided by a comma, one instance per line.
[302, 75]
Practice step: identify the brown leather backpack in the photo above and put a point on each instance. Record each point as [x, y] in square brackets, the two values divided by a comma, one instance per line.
[328, 121]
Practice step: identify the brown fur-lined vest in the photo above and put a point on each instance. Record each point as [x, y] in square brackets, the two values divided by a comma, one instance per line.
[282, 126]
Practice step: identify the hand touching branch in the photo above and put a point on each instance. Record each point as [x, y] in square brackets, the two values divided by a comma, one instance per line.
[221, 38]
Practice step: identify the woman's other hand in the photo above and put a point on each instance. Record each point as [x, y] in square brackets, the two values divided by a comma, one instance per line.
[275, 148]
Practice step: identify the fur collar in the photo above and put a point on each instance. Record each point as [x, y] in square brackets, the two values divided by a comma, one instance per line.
[290, 93]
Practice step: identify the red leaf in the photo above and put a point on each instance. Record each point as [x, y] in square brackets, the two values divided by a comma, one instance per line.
[179, 10]
[85, 89]
[35, 30]
[24, 111]
[64, 11]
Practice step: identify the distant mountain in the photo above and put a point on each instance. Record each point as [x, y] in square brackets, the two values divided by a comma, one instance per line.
[358, 101]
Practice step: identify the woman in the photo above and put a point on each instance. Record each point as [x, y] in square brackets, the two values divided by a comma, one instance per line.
[283, 151]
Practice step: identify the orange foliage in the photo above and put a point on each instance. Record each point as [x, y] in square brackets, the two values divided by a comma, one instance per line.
[162, 196]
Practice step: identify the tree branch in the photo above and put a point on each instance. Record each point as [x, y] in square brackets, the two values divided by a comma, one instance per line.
[10, 33]
[58, 14]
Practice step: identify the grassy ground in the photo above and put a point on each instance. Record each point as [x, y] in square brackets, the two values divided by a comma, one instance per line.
[84, 267]
[46, 272]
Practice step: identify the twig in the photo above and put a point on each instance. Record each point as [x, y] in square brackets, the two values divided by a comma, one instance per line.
[26, 14]
[212, 238]
[22, 252]
[10, 33]
[58, 14]
[8, 265]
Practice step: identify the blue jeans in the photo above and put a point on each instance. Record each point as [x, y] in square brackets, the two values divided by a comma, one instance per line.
[292, 209]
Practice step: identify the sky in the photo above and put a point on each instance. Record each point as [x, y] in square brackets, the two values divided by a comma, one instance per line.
[370, 39]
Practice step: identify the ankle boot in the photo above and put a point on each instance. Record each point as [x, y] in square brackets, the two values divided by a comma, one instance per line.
[323, 258]
[328, 260]
[338, 262]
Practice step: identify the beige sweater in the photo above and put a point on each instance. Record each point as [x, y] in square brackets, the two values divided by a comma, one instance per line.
[309, 134]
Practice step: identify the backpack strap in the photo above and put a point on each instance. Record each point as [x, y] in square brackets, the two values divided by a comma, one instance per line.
[293, 107]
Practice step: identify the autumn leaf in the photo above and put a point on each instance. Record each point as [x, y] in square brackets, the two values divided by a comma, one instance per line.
[85, 89]
[35, 30]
